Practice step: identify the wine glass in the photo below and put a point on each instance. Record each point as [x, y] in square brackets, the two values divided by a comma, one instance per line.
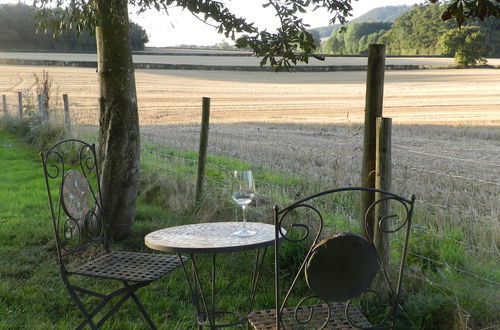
[243, 191]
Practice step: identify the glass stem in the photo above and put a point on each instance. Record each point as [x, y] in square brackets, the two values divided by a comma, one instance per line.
[244, 211]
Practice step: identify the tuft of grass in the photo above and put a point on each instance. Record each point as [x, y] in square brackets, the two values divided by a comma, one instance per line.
[32, 294]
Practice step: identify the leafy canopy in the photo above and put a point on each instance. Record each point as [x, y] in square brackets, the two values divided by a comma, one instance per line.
[18, 30]
[289, 44]
[356, 38]
[468, 45]
[421, 31]
[464, 10]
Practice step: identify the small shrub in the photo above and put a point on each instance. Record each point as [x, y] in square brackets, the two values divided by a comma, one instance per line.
[38, 129]
[43, 133]
[430, 312]
[425, 250]
[44, 86]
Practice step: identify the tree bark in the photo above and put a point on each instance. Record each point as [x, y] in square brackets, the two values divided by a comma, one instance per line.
[119, 139]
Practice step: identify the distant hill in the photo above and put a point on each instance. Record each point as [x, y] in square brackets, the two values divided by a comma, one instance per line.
[381, 14]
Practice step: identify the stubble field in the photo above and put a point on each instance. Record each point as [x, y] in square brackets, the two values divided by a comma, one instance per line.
[446, 134]
[449, 97]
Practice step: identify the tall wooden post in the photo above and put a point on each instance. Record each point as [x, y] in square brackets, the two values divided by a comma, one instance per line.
[41, 107]
[373, 109]
[205, 117]
[383, 181]
[20, 104]
[4, 99]
[67, 120]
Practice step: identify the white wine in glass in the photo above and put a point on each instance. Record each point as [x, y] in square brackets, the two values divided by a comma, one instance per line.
[243, 192]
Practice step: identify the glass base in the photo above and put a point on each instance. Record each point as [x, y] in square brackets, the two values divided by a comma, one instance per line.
[244, 233]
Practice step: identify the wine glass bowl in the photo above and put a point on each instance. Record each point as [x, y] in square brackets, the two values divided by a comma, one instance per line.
[243, 192]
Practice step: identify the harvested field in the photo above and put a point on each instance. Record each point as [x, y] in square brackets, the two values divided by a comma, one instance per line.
[446, 121]
[451, 97]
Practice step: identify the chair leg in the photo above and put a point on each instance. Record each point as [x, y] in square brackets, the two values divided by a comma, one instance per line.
[127, 291]
[115, 308]
[143, 311]
[94, 312]
[105, 300]
[88, 317]
[141, 308]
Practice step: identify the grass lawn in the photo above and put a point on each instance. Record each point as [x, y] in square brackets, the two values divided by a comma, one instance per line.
[32, 294]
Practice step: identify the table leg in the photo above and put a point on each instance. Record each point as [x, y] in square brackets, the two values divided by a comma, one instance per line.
[196, 290]
[213, 283]
[194, 297]
[206, 316]
[209, 313]
[259, 262]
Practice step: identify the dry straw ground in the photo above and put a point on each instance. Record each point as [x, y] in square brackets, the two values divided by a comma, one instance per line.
[452, 97]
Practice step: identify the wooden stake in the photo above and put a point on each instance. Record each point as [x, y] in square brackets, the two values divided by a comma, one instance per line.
[203, 147]
[20, 104]
[67, 120]
[41, 107]
[4, 99]
[383, 181]
[373, 109]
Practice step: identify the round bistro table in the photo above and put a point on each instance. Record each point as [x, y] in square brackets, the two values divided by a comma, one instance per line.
[213, 238]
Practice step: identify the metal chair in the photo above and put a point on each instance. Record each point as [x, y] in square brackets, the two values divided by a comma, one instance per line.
[341, 281]
[72, 180]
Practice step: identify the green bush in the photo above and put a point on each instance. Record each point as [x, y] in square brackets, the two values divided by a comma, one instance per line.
[430, 311]
[42, 133]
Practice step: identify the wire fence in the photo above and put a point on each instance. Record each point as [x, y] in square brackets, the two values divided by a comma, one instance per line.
[453, 190]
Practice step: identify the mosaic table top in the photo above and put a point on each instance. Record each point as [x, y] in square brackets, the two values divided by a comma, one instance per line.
[210, 237]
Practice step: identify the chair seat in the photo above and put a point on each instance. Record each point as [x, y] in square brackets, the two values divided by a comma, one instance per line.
[267, 319]
[130, 266]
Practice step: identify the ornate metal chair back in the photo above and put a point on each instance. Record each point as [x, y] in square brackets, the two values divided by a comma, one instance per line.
[72, 179]
[314, 267]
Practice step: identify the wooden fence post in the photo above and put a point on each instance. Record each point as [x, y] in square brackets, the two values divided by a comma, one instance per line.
[383, 181]
[20, 104]
[67, 120]
[5, 112]
[373, 109]
[203, 148]
[41, 107]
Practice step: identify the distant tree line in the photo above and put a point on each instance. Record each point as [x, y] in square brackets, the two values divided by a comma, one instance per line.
[356, 38]
[379, 14]
[18, 30]
[421, 31]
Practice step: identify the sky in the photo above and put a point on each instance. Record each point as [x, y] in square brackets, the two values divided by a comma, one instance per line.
[180, 27]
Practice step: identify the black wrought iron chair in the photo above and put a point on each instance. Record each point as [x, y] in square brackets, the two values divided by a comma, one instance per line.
[72, 179]
[341, 281]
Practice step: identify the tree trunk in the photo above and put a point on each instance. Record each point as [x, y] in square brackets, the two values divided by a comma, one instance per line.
[119, 144]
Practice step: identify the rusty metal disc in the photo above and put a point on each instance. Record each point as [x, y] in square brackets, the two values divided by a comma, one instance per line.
[341, 267]
[76, 195]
